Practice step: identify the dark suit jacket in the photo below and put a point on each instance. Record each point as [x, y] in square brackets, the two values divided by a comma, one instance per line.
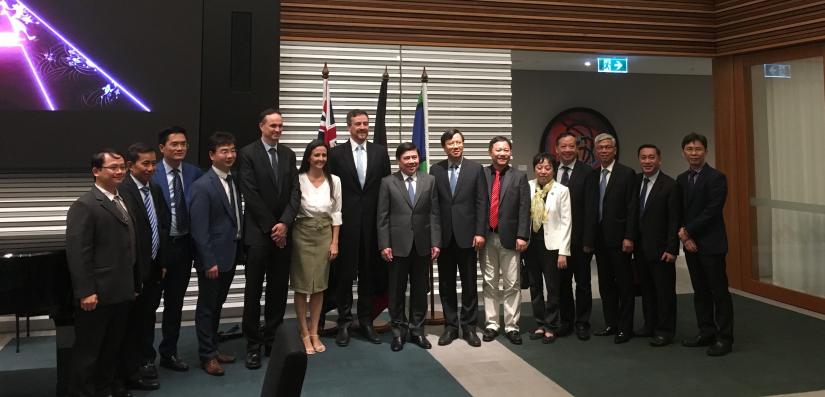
[582, 200]
[619, 210]
[99, 250]
[190, 174]
[358, 207]
[514, 206]
[463, 214]
[397, 215]
[267, 204]
[702, 210]
[659, 221]
[214, 225]
[146, 270]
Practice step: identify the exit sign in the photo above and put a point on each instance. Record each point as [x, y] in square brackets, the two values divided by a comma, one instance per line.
[612, 65]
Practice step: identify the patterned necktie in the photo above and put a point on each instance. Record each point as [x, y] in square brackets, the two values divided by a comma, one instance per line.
[273, 160]
[360, 167]
[565, 175]
[602, 187]
[643, 196]
[121, 206]
[153, 220]
[410, 190]
[494, 197]
[453, 177]
[181, 212]
[233, 203]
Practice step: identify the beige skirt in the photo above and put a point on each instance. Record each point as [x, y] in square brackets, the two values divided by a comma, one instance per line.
[309, 268]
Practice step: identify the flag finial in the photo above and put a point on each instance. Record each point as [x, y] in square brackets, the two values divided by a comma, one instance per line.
[386, 75]
[424, 77]
[325, 71]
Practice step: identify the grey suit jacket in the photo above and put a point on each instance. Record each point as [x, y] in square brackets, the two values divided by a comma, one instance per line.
[514, 206]
[463, 213]
[397, 216]
[213, 224]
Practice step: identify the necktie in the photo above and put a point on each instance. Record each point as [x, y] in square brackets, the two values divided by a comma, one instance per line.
[692, 179]
[494, 197]
[602, 187]
[360, 167]
[565, 176]
[181, 212]
[643, 196]
[233, 203]
[153, 220]
[410, 190]
[453, 177]
[121, 206]
[273, 160]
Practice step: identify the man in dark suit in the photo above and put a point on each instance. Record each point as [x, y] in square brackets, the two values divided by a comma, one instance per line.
[704, 190]
[617, 211]
[657, 245]
[508, 234]
[174, 177]
[269, 183]
[100, 249]
[360, 165]
[137, 367]
[408, 200]
[216, 232]
[462, 195]
[576, 175]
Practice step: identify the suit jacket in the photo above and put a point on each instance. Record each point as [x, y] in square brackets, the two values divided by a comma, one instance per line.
[619, 210]
[190, 174]
[582, 200]
[214, 225]
[146, 269]
[99, 249]
[265, 202]
[463, 214]
[557, 220]
[514, 206]
[659, 221]
[358, 207]
[397, 215]
[702, 210]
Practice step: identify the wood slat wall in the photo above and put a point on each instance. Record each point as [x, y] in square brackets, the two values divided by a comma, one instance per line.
[747, 25]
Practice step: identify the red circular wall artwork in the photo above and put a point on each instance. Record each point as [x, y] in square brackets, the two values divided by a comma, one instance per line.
[585, 124]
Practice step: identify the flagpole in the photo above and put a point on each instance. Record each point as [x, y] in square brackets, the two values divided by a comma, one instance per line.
[435, 318]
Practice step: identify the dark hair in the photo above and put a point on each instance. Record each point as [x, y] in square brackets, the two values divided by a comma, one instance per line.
[306, 159]
[449, 134]
[694, 137]
[404, 147]
[539, 157]
[355, 112]
[100, 156]
[267, 112]
[565, 134]
[649, 146]
[497, 139]
[218, 139]
[163, 136]
[136, 149]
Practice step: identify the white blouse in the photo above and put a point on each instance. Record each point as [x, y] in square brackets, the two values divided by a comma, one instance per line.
[315, 201]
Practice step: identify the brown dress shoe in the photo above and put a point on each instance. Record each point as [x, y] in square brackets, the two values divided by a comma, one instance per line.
[212, 367]
[225, 358]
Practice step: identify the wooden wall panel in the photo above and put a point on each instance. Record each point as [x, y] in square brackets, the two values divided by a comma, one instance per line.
[747, 25]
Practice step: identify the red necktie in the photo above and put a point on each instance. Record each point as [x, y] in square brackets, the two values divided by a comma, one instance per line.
[494, 200]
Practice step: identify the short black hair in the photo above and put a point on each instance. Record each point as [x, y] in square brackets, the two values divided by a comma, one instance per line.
[99, 157]
[267, 112]
[565, 134]
[542, 156]
[449, 134]
[163, 136]
[692, 137]
[220, 138]
[404, 147]
[649, 146]
[355, 112]
[497, 139]
[136, 149]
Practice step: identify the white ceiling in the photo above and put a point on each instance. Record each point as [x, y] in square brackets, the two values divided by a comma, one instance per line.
[569, 61]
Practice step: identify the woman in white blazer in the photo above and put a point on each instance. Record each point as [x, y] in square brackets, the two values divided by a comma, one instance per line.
[550, 223]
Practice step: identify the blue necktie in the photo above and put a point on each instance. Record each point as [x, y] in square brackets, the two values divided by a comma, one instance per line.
[410, 191]
[360, 167]
[181, 212]
[153, 220]
[602, 187]
[453, 177]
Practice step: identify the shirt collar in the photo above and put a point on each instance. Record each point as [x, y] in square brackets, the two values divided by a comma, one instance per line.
[109, 195]
[610, 167]
[220, 173]
[652, 178]
[355, 144]
[458, 164]
[138, 183]
[571, 165]
[405, 176]
[268, 146]
[169, 168]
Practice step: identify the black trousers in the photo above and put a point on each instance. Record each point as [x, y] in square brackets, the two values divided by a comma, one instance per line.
[542, 269]
[368, 268]
[412, 268]
[138, 342]
[615, 286]
[178, 271]
[271, 263]
[211, 297]
[658, 282]
[711, 298]
[576, 312]
[98, 338]
[464, 260]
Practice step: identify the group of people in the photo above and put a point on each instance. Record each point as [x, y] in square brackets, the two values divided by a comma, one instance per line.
[342, 216]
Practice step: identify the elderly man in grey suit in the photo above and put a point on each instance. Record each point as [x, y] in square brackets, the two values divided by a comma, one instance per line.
[408, 200]
[507, 237]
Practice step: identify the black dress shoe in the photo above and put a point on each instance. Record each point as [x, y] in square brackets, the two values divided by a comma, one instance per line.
[471, 337]
[698, 341]
[253, 359]
[343, 336]
[564, 330]
[643, 332]
[719, 348]
[421, 341]
[660, 341]
[397, 344]
[174, 363]
[489, 334]
[369, 333]
[514, 337]
[606, 332]
[143, 384]
[621, 337]
[148, 371]
[447, 337]
[583, 333]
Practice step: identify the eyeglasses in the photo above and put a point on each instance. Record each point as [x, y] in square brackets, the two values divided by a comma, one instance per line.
[115, 168]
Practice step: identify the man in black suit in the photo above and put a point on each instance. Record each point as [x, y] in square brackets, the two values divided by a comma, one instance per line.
[137, 367]
[360, 165]
[657, 245]
[576, 175]
[216, 231]
[617, 211]
[704, 190]
[462, 196]
[269, 183]
[100, 249]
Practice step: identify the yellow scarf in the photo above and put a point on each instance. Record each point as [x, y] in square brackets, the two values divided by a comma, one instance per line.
[537, 213]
